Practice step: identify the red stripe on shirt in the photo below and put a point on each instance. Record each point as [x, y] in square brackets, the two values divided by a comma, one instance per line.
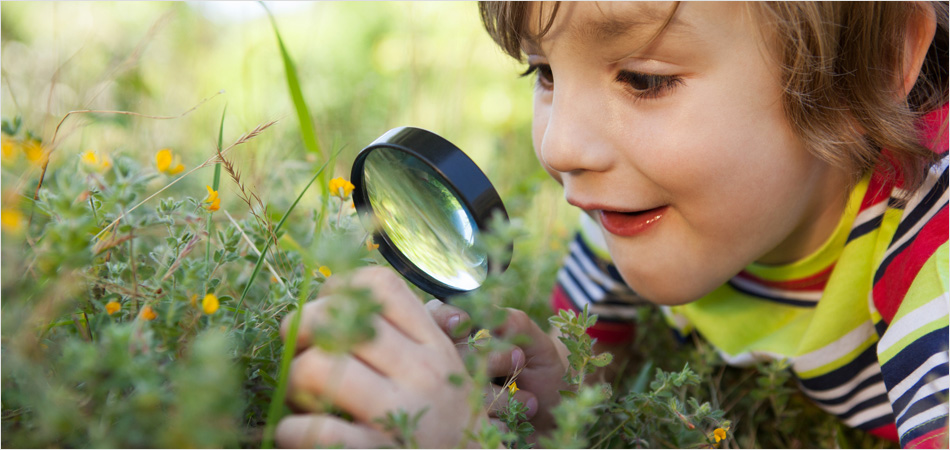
[888, 432]
[814, 282]
[934, 439]
[879, 187]
[606, 332]
[892, 287]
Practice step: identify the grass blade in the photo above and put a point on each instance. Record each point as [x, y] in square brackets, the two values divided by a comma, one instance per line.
[217, 167]
[215, 184]
[307, 131]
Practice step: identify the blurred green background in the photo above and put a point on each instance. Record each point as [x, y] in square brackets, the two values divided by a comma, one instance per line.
[364, 67]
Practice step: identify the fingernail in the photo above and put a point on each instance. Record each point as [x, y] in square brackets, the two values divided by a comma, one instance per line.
[532, 405]
[453, 324]
[517, 358]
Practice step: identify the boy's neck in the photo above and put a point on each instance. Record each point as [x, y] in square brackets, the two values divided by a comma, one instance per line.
[817, 223]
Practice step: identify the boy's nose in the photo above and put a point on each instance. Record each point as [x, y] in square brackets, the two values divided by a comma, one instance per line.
[575, 136]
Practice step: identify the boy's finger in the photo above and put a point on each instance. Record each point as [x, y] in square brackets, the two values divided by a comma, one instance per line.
[538, 346]
[400, 305]
[505, 363]
[454, 322]
[323, 431]
[310, 315]
[390, 352]
[341, 380]
[381, 351]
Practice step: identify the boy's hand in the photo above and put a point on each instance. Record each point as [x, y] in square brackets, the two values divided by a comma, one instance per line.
[406, 366]
[543, 359]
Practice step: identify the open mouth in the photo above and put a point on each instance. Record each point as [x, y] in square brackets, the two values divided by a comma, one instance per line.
[630, 223]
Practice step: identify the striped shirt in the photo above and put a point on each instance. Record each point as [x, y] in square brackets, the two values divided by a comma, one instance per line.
[863, 321]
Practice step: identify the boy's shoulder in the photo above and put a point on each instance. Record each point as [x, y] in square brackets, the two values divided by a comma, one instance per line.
[916, 227]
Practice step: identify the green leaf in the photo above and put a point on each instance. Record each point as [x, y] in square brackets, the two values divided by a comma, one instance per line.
[602, 359]
[567, 394]
[643, 377]
[457, 380]
[11, 128]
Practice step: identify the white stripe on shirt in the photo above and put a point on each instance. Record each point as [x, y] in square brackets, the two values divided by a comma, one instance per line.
[901, 388]
[835, 350]
[933, 310]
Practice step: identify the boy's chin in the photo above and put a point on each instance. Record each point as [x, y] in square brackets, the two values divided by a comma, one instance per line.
[670, 300]
[670, 294]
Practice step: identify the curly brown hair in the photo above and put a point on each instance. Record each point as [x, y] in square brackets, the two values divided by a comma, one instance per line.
[842, 70]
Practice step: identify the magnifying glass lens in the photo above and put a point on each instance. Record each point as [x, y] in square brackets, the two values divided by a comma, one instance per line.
[423, 218]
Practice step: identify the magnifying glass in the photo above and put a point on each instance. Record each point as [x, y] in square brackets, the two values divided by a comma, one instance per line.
[428, 206]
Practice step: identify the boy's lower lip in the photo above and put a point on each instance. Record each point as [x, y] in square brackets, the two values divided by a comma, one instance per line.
[631, 224]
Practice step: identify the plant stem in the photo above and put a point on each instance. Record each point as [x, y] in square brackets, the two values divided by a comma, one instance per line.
[277, 401]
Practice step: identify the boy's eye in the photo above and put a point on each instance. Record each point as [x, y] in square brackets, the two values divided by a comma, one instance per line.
[647, 85]
[545, 75]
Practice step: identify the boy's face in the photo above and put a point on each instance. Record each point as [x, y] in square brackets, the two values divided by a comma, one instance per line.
[679, 149]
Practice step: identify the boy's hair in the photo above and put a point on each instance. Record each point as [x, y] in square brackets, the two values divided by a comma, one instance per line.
[841, 67]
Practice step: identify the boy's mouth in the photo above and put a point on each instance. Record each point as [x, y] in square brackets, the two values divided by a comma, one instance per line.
[630, 223]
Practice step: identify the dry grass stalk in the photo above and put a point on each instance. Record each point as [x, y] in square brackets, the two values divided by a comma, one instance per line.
[250, 198]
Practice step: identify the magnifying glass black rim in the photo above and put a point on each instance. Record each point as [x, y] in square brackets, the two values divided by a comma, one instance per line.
[459, 173]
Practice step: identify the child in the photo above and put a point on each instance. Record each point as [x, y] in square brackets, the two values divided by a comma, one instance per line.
[773, 175]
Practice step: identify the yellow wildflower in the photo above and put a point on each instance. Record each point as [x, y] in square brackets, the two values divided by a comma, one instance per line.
[719, 434]
[512, 388]
[480, 339]
[168, 163]
[340, 187]
[215, 205]
[12, 220]
[370, 245]
[9, 149]
[482, 334]
[92, 160]
[213, 202]
[325, 271]
[210, 304]
[147, 313]
[35, 152]
[113, 307]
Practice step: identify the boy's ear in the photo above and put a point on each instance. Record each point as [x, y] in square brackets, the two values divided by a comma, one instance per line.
[920, 34]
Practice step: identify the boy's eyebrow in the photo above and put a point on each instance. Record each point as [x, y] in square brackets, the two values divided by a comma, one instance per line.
[610, 29]
[648, 22]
